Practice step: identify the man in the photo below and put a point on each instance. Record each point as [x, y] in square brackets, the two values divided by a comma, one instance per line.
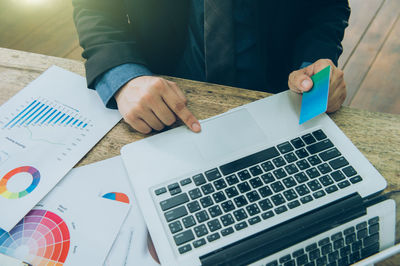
[255, 44]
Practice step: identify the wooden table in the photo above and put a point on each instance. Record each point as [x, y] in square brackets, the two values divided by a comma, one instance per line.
[376, 135]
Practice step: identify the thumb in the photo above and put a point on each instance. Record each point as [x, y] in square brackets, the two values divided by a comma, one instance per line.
[299, 81]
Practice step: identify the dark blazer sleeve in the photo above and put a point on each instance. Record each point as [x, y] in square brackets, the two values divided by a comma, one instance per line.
[105, 35]
[324, 24]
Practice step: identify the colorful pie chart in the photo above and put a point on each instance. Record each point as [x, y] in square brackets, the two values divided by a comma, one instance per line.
[16, 195]
[41, 238]
[121, 197]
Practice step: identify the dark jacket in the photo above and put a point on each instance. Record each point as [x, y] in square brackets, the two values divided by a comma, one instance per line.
[153, 33]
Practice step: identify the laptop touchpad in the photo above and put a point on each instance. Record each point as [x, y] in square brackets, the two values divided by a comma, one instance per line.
[228, 134]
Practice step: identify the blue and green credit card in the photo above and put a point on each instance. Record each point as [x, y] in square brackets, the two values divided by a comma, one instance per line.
[315, 101]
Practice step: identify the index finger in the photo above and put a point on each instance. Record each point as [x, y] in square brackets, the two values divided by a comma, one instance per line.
[178, 106]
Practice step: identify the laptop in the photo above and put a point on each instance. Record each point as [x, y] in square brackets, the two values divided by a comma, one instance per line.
[218, 196]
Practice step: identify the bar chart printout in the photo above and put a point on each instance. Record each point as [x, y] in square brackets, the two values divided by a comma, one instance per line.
[45, 129]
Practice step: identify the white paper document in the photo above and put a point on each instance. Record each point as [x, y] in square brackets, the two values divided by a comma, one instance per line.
[67, 227]
[45, 130]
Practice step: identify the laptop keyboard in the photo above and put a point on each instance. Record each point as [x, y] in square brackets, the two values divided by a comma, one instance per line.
[229, 198]
[342, 248]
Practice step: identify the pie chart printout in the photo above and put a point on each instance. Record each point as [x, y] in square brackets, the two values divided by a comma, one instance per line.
[16, 195]
[40, 238]
[117, 196]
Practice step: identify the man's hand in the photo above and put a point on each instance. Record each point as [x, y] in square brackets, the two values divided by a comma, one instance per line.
[300, 81]
[148, 103]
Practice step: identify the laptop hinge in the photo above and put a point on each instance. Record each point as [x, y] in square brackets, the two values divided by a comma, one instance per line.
[288, 233]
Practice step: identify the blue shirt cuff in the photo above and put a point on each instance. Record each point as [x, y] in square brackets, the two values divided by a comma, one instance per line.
[111, 81]
[305, 64]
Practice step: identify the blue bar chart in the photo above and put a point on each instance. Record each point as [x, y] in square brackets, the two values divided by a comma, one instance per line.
[42, 113]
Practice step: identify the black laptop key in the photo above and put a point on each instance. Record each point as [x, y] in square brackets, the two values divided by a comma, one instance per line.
[200, 230]
[278, 199]
[188, 221]
[343, 184]
[370, 250]
[303, 164]
[173, 186]
[324, 168]
[207, 189]
[199, 179]
[302, 190]
[293, 204]
[272, 263]
[314, 160]
[279, 173]
[227, 206]
[214, 225]
[373, 228]
[320, 146]
[355, 179]
[277, 186]
[308, 138]
[301, 177]
[281, 209]
[213, 237]
[362, 234]
[267, 166]
[227, 219]
[338, 163]
[252, 196]
[253, 209]
[220, 184]
[306, 199]
[350, 238]
[232, 179]
[331, 189]
[312, 173]
[185, 248]
[336, 236]
[240, 201]
[311, 247]
[219, 197]
[371, 240]
[160, 191]
[175, 191]
[195, 193]
[315, 254]
[349, 231]
[314, 185]
[323, 241]
[206, 201]
[231, 192]
[337, 175]
[285, 258]
[212, 174]
[290, 194]
[329, 154]
[183, 237]
[354, 257]
[289, 182]
[267, 215]
[265, 204]
[256, 170]
[254, 220]
[303, 259]
[268, 178]
[244, 175]
[333, 256]
[326, 249]
[290, 263]
[326, 180]
[338, 244]
[240, 226]
[174, 201]
[301, 153]
[227, 231]
[249, 160]
[175, 227]
[297, 143]
[285, 147]
[279, 161]
[244, 187]
[202, 216]
[319, 134]
[349, 171]
[290, 157]
[256, 182]
[291, 169]
[215, 211]
[240, 214]
[185, 181]
[193, 206]
[319, 194]
[200, 242]
[265, 191]
[361, 225]
[373, 220]
[175, 213]
[298, 253]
